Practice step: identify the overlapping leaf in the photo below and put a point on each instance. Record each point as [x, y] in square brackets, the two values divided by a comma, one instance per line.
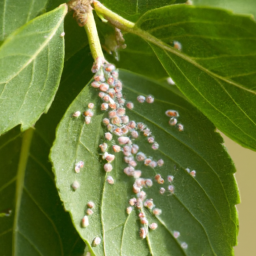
[15, 14]
[243, 7]
[75, 38]
[33, 221]
[39, 200]
[139, 57]
[215, 68]
[31, 62]
[201, 208]
[132, 10]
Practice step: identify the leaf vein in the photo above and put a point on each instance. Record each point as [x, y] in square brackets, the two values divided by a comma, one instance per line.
[80, 142]
[8, 183]
[47, 217]
[46, 77]
[183, 168]
[166, 47]
[194, 22]
[223, 56]
[30, 10]
[43, 45]
[6, 232]
[169, 231]
[242, 74]
[208, 37]
[27, 91]
[30, 242]
[207, 99]
[41, 165]
[224, 89]
[10, 140]
[122, 237]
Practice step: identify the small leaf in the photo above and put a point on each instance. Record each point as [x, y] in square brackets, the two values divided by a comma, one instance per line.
[15, 14]
[31, 62]
[33, 221]
[201, 208]
[215, 68]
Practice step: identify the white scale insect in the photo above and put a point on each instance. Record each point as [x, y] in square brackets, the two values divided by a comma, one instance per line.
[118, 124]
[96, 241]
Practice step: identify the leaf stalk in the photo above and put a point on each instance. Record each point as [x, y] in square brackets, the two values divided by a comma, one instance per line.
[112, 17]
[93, 37]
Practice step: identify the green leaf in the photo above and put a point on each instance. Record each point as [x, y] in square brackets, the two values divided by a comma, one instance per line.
[246, 6]
[215, 68]
[201, 208]
[38, 177]
[15, 14]
[75, 36]
[32, 220]
[132, 10]
[138, 57]
[77, 70]
[31, 62]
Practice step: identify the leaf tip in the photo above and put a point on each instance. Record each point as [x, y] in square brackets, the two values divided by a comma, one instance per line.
[65, 6]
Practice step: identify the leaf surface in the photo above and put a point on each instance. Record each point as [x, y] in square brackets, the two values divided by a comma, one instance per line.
[201, 208]
[246, 6]
[132, 10]
[33, 221]
[215, 68]
[15, 14]
[31, 62]
[138, 57]
[38, 179]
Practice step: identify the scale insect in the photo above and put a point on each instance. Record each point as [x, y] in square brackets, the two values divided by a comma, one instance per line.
[120, 134]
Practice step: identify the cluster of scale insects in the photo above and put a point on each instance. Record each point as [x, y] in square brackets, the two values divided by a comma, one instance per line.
[126, 131]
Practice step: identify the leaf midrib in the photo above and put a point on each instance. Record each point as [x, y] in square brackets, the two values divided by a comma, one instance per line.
[148, 37]
[24, 154]
[20, 188]
[210, 102]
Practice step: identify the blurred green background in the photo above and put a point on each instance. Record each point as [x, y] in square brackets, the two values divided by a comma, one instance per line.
[245, 162]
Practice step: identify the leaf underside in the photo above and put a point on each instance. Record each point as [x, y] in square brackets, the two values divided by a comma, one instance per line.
[31, 62]
[32, 220]
[53, 229]
[202, 209]
[215, 68]
[46, 209]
